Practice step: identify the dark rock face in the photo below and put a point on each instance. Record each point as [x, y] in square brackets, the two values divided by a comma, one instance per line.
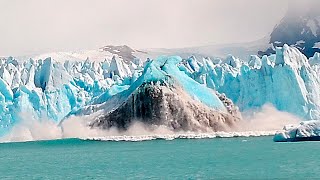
[125, 52]
[171, 107]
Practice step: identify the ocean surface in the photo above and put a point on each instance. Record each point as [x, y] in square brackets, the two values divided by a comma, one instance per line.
[217, 158]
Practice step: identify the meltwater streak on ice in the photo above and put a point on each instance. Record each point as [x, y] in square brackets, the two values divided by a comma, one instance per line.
[264, 122]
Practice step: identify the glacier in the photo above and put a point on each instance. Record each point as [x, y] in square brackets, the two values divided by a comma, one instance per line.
[287, 79]
[56, 88]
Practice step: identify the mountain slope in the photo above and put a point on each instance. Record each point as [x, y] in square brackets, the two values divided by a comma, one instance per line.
[299, 28]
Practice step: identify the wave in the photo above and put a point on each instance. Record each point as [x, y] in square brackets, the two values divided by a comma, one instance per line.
[182, 136]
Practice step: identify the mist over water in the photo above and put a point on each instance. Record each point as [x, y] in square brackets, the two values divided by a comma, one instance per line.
[267, 118]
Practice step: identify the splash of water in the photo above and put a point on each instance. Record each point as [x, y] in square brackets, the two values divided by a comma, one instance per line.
[268, 118]
[266, 121]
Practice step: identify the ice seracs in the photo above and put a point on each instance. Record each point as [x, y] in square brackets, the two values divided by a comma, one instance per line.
[51, 89]
[273, 79]
[55, 89]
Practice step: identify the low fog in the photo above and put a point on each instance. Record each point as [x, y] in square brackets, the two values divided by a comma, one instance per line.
[298, 7]
[38, 26]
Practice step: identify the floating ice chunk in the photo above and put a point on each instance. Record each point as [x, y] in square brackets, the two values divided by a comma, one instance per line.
[305, 131]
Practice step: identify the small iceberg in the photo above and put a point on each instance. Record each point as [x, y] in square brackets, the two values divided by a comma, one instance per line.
[305, 131]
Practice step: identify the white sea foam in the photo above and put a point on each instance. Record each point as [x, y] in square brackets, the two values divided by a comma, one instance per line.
[183, 136]
[266, 122]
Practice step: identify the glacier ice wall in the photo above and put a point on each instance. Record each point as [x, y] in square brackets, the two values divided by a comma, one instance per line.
[286, 80]
[38, 89]
[53, 90]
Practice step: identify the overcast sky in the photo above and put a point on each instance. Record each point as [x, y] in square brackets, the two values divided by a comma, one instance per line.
[37, 26]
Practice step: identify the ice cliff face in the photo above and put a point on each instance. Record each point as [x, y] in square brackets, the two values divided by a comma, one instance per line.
[48, 89]
[54, 89]
[286, 80]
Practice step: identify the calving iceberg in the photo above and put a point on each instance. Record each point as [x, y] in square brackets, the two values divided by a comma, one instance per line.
[165, 96]
[185, 94]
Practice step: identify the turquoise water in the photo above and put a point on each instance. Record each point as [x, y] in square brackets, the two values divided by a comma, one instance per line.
[226, 158]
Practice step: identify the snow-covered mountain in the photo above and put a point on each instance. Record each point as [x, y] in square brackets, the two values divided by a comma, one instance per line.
[240, 50]
[299, 28]
[106, 52]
